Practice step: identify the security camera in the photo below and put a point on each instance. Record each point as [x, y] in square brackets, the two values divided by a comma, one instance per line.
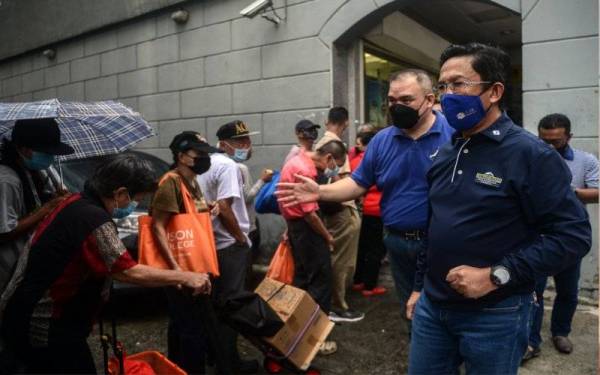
[253, 9]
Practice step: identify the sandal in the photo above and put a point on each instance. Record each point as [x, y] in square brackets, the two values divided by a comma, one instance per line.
[328, 348]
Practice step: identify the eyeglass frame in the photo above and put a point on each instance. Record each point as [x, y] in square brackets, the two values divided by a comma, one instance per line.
[451, 85]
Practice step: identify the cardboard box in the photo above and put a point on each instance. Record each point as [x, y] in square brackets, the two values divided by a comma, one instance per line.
[305, 326]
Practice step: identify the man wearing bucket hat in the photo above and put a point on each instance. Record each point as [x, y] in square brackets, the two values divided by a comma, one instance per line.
[29, 187]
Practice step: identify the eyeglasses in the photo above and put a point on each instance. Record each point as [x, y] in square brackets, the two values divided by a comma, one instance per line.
[458, 86]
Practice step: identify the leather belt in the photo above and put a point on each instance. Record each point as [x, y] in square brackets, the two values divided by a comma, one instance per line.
[410, 235]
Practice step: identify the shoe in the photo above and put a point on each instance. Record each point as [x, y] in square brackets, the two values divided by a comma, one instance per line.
[377, 291]
[562, 344]
[349, 316]
[247, 367]
[328, 348]
[530, 353]
[358, 287]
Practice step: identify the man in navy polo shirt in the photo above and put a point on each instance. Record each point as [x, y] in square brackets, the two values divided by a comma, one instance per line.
[397, 160]
[502, 214]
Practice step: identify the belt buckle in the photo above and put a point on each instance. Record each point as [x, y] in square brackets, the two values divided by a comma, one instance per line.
[412, 235]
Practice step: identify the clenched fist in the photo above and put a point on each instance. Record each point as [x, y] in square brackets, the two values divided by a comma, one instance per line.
[198, 282]
[471, 282]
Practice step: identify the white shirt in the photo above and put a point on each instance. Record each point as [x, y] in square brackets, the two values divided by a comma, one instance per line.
[222, 181]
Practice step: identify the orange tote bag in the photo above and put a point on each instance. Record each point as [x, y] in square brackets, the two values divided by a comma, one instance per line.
[190, 236]
[282, 264]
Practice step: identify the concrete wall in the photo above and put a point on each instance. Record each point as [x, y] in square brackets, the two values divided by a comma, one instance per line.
[219, 66]
[560, 74]
[33, 23]
[413, 42]
[215, 68]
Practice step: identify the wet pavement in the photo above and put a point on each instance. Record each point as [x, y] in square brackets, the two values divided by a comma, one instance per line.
[376, 345]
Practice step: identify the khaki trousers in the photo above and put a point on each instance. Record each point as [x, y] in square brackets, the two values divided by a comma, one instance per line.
[344, 226]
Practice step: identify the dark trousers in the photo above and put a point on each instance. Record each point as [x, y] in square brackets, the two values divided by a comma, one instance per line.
[402, 253]
[233, 264]
[186, 337]
[371, 251]
[565, 304]
[312, 262]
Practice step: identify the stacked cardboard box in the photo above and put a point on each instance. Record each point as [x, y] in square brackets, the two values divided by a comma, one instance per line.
[305, 326]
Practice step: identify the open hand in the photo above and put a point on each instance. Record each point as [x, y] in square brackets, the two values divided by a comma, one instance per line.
[411, 303]
[471, 282]
[293, 193]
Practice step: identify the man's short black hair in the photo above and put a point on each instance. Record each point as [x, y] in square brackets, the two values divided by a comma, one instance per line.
[555, 121]
[491, 63]
[335, 148]
[337, 115]
[127, 170]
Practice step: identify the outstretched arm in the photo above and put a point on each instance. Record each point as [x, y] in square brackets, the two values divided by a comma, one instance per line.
[292, 193]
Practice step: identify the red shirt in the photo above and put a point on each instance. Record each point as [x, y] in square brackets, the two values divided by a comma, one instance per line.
[373, 197]
[301, 165]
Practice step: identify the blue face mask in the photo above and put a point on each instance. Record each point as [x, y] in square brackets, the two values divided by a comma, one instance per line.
[120, 213]
[463, 112]
[240, 154]
[38, 161]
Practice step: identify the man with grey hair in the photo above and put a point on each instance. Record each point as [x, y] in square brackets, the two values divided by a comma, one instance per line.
[396, 161]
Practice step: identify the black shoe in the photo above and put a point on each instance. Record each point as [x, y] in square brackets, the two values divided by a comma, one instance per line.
[246, 367]
[562, 344]
[530, 353]
[349, 316]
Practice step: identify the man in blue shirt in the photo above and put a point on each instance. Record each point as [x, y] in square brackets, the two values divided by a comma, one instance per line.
[555, 129]
[397, 161]
[502, 213]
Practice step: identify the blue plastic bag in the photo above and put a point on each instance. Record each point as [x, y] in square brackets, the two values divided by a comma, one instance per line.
[266, 200]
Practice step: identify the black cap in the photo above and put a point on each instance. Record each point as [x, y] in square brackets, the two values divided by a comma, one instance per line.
[306, 125]
[190, 140]
[40, 134]
[234, 129]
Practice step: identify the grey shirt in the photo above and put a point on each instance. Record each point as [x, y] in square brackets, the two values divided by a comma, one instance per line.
[584, 168]
[12, 208]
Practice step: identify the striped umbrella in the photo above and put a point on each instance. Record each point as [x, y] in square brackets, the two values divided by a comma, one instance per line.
[91, 128]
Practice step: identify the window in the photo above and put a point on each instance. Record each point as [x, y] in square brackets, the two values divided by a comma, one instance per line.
[378, 68]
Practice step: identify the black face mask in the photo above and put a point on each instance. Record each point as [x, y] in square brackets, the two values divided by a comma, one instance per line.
[403, 116]
[201, 164]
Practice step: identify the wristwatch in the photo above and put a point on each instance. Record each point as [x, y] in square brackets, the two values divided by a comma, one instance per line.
[500, 275]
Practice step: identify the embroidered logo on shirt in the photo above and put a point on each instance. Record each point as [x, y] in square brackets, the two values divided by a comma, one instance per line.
[488, 179]
[496, 132]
